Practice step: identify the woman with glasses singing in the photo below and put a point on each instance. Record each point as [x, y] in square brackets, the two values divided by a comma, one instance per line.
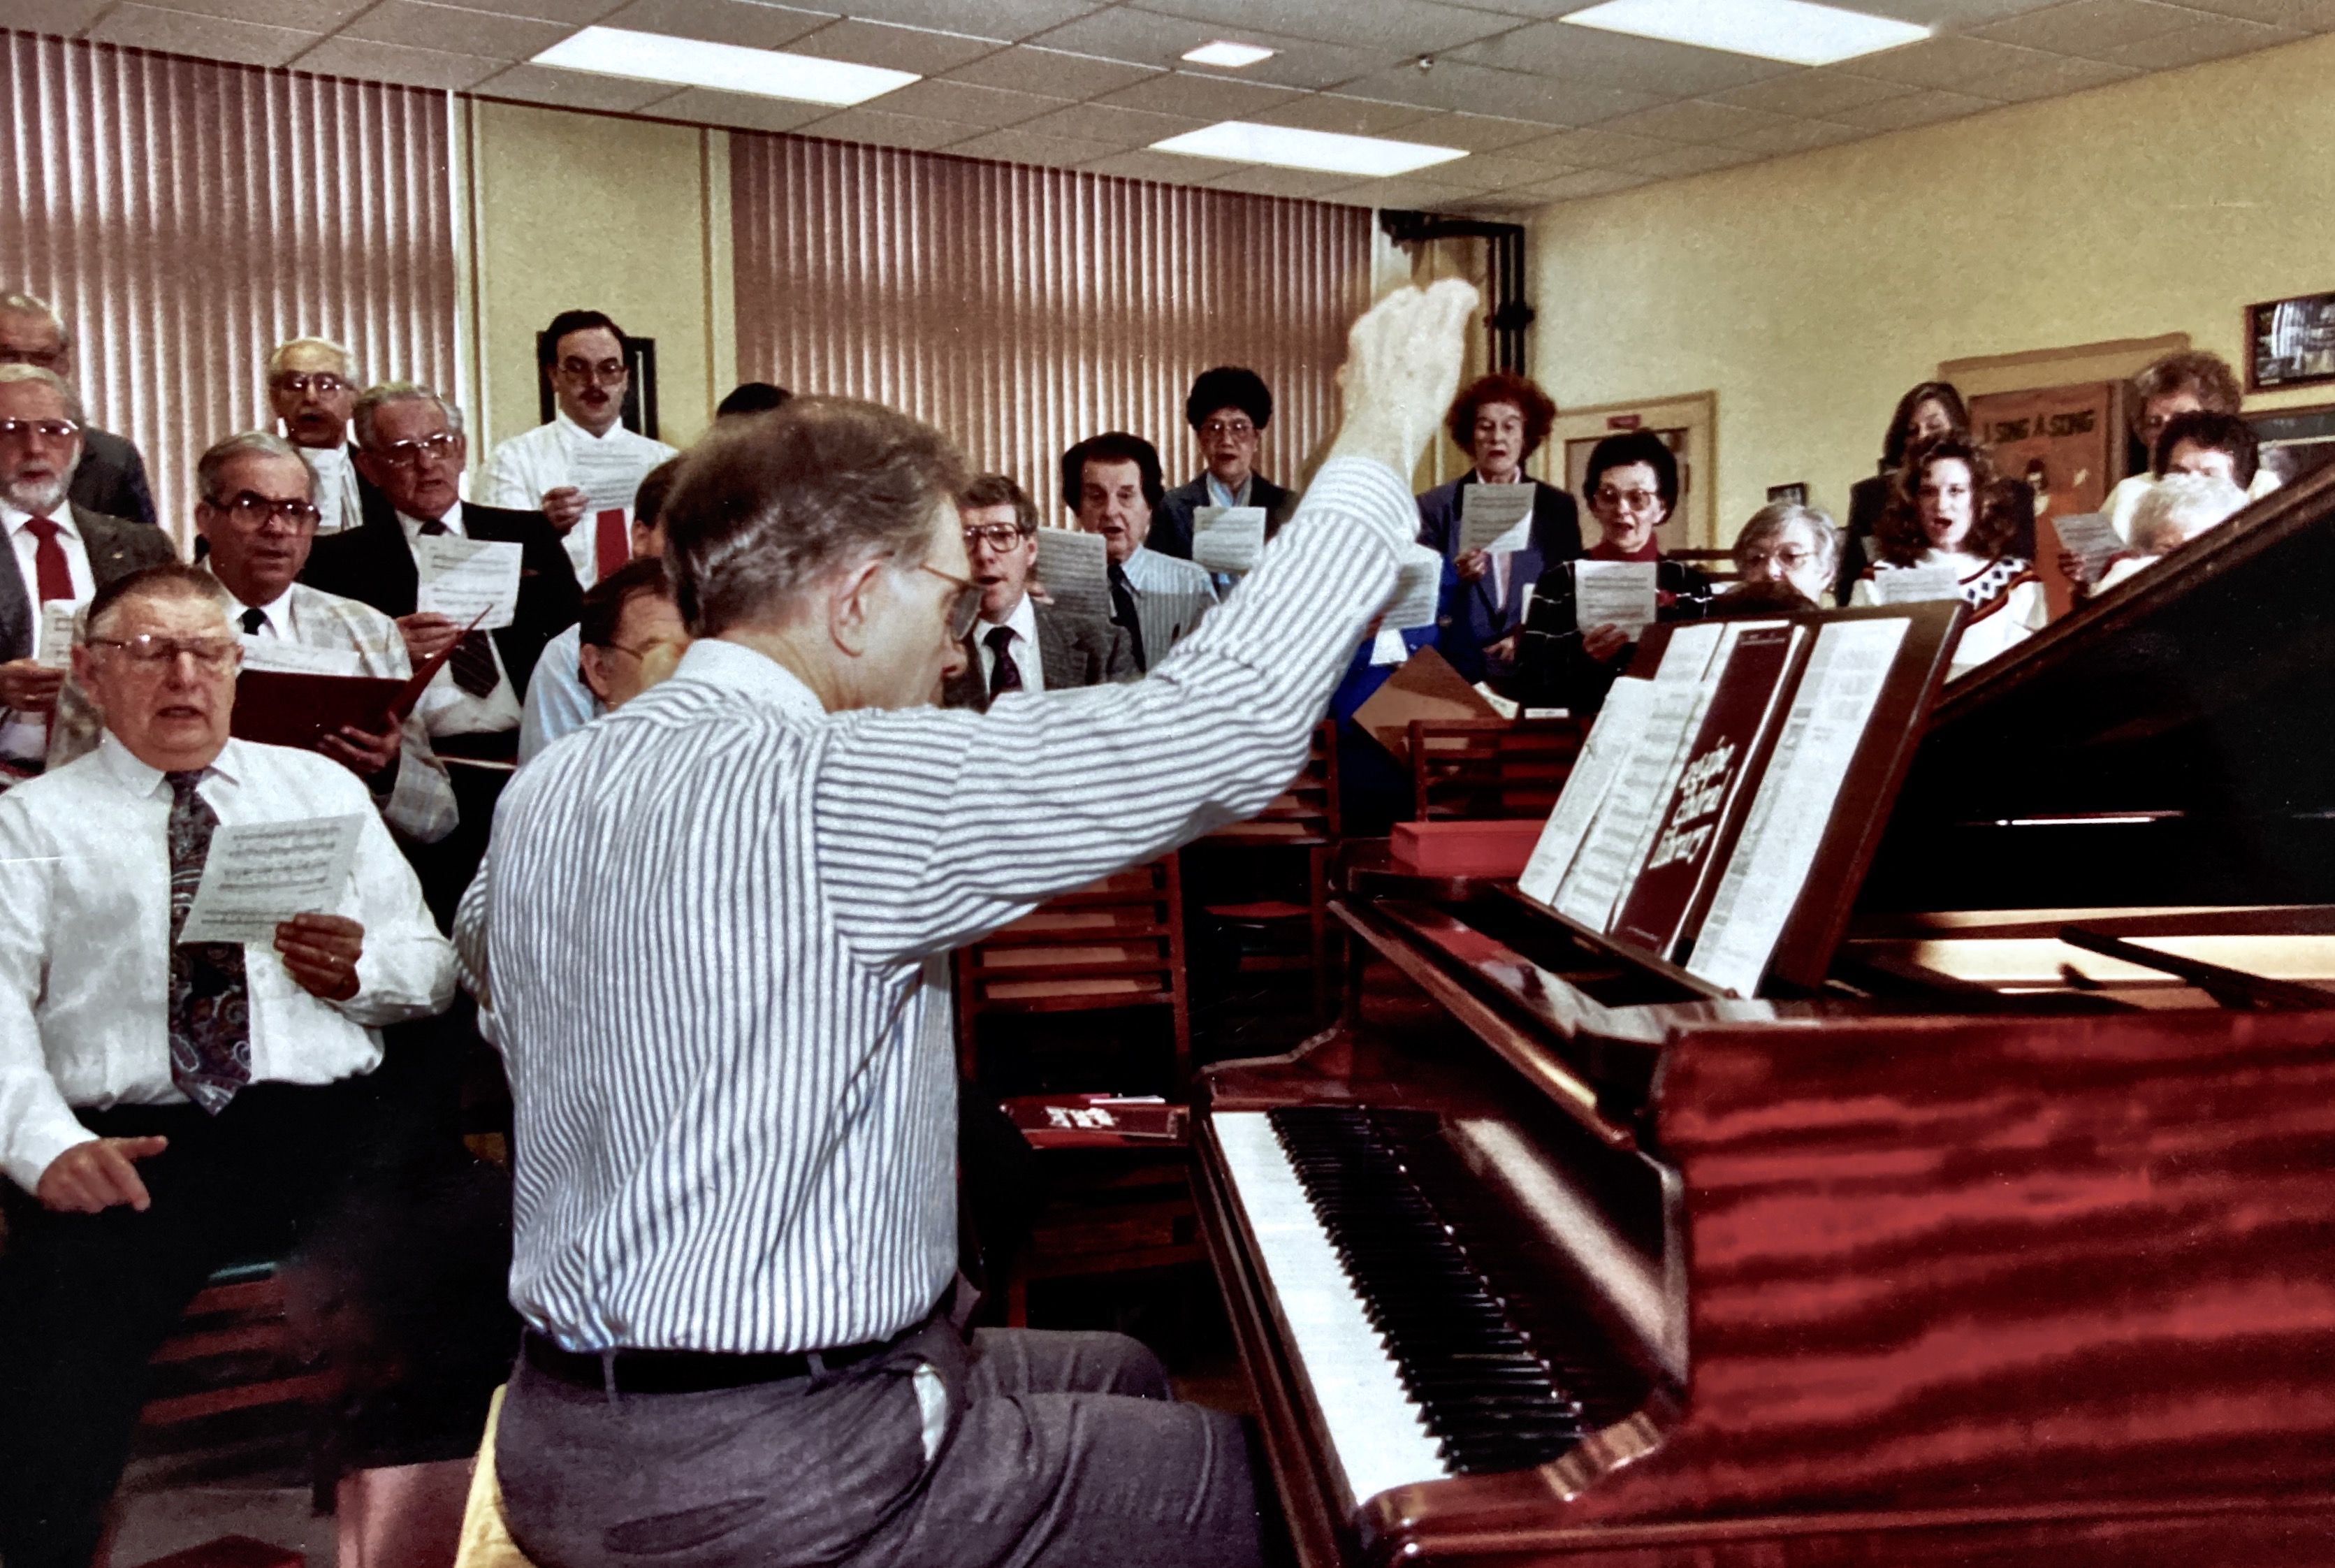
[1499, 420]
[1632, 483]
[1789, 544]
[1946, 512]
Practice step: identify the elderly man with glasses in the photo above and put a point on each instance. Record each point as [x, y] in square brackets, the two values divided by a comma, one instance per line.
[64, 553]
[583, 469]
[312, 391]
[1019, 644]
[111, 478]
[167, 1107]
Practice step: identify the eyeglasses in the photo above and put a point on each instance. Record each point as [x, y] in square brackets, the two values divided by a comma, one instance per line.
[253, 509]
[1790, 558]
[46, 430]
[324, 383]
[45, 358]
[999, 536]
[1626, 500]
[607, 370]
[1238, 430]
[646, 649]
[964, 609]
[443, 446]
[210, 655]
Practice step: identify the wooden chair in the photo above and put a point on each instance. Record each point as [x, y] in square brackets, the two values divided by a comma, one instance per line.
[1302, 821]
[1487, 769]
[1116, 944]
[233, 1350]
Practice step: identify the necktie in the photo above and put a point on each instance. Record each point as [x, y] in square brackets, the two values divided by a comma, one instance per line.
[474, 663]
[612, 541]
[254, 621]
[1122, 613]
[1004, 675]
[210, 1011]
[50, 571]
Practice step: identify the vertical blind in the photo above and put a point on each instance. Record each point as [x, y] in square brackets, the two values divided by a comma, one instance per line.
[1020, 309]
[184, 217]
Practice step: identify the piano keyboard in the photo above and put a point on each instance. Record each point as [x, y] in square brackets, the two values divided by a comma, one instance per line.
[1415, 1367]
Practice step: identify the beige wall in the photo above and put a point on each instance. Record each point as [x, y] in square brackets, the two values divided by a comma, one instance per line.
[597, 212]
[1811, 292]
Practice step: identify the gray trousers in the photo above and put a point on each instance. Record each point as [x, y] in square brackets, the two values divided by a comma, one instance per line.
[1059, 1449]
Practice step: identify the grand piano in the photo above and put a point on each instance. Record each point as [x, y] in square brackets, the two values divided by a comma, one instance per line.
[2007, 1238]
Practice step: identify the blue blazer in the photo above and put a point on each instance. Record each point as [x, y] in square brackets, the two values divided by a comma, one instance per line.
[1470, 618]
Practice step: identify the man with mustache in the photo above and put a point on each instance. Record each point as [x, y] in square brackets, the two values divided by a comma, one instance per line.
[111, 478]
[585, 460]
[313, 390]
[1019, 644]
[61, 551]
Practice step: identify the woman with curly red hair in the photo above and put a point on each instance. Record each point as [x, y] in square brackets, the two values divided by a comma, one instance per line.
[1500, 421]
[1946, 510]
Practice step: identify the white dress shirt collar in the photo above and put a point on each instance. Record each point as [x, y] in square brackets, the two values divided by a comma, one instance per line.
[571, 430]
[414, 525]
[277, 611]
[141, 780]
[1218, 496]
[15, 517]
[735, 667]
[1023, 622]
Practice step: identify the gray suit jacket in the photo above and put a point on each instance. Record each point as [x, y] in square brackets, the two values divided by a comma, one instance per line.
[1073, 651]
[116, 548]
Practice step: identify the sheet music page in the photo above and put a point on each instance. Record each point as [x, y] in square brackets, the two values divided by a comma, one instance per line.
[258, 874]
[1495, 517]
[1418, 590]
[2090, 535]
[1071, 566]
[1842, 684]
[1228, 538]
[298, 658]
[460, 577]
[1615, 593]
[1616, 842]
[56, 633]
[1916, 584]
[609, 477]
[1619, 729]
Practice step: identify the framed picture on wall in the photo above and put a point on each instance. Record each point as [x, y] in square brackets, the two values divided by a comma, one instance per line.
[1688, 424]
[2291, 342]
[2295, 441]
[639, 413]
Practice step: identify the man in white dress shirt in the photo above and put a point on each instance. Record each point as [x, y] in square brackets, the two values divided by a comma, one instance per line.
[313, 390]
[1019, 644]
[582, 468]
[714, 928]
[1111, 483]
[166, 1107]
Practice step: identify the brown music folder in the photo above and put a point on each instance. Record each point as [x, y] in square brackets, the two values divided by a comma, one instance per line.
[289, 708]
[1424, 686]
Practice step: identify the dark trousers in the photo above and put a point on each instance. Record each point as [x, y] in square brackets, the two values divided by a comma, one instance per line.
[445, 868]
[1062, 1449]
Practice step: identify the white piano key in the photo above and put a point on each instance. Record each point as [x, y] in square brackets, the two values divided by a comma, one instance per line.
[1377, 1435]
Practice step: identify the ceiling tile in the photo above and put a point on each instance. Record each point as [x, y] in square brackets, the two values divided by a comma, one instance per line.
[299, 15]
[1680, 162]
[969, 105]
[1949, 14]
[1950, 62]
[1512, 94]
[745, 110]
[572, 89]
[1475, 133]
[574, 13]
[1161, 168]
[1302, 62]
[878, 129]
[2086, 27]
[1796, 136]
[456, 30]
[2052, 76]
[1125, 33]
[895, 48]
[2216, 40]
[1358, 117]
[1496, 171]
[1112, 127]
[1692, 120]
[205, 37]
[1413, 28]
[1594, 148]
[1298, 184]
[367, 61]
[1023, 146]
[740, 21]
[1422, 191]
[1589, 182]
[1204, 98]
[1053, 71]
[1586, 54]
[1925, 107]
[2303, 15]
[1006, 19]
[59, 18]
[1818, 93]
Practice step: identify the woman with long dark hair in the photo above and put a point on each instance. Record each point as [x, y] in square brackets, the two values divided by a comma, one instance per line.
[1946, 510]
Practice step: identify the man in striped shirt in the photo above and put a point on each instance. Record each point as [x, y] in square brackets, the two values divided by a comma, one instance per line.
[714, 932]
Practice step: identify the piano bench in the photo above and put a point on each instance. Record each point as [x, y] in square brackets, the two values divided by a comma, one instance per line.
[1107, 1211]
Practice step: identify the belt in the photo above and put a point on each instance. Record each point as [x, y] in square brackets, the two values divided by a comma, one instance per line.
[686, 1371]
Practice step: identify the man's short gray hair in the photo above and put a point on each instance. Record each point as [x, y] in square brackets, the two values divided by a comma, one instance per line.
[12, 373]
[766, 506]
[399, 391]
[275, 355]
[211, 469]
[33, 305]
[172, 580]
[2179, 507]
[1769, 521]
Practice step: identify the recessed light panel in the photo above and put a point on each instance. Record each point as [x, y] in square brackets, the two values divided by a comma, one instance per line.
[1228, 55]
[730, 67]
[1240, 141]
[1789, 30]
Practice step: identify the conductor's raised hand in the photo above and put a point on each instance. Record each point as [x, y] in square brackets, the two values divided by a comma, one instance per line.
[90, 1177]
[1402, 365]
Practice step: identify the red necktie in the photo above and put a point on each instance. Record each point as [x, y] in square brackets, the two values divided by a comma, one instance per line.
[49, 567]
[612, 540]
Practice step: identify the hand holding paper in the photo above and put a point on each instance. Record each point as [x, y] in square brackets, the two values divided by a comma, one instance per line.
[468, 580]
[1496, 518]
[1620, 593]
[1072, 567]
[321, 953]
[257, 876]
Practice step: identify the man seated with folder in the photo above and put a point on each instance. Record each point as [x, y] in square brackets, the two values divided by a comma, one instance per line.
[168, 1106]
[1019, 644]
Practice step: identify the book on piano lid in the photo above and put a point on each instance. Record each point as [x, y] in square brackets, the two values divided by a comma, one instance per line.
[297, 707]
[1731, 792]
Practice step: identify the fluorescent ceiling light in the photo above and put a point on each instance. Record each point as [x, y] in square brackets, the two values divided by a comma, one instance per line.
[732, 68]
[1239, 141]
[1230, 56]
[1790, 30]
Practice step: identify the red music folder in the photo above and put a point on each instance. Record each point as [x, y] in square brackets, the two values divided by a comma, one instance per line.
[295, 708]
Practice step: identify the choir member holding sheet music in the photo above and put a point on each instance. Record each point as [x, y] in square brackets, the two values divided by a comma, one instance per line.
[1946, 533]
[167, 1106]
[559, 700]
[1019, 644]
[1111, 483]
[583, 468]
[312, 390]
[110, 476]
[1228, 409]
[2200, 441]
[2177, 510]
[1500, 421]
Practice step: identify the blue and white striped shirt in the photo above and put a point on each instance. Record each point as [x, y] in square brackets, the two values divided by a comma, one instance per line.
[715, 922]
